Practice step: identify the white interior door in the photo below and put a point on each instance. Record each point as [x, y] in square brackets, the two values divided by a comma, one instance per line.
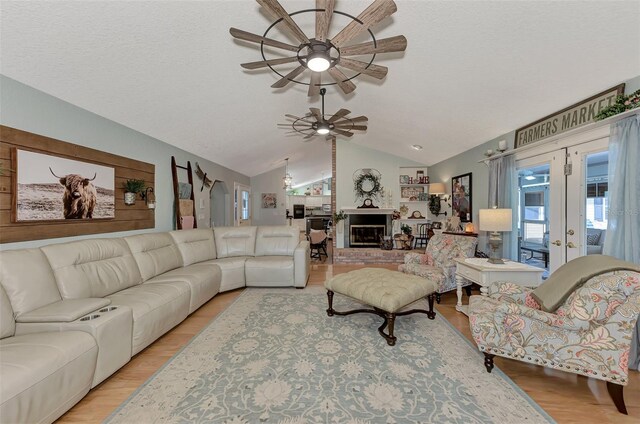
[242, 204]
[587, 198]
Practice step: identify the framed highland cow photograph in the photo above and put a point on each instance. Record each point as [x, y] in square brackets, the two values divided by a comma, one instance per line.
[52, 188]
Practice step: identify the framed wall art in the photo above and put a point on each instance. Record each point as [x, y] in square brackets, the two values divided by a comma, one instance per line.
[269, 201]
[461, 196]
[54, 188]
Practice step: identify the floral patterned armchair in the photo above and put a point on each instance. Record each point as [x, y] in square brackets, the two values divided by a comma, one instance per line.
[590, 334]
[437, 263]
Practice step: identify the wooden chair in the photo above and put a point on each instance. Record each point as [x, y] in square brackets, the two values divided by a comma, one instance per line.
[422, 235]
[318, 243]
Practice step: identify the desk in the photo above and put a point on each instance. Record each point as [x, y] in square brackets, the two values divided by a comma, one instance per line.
[479, 271]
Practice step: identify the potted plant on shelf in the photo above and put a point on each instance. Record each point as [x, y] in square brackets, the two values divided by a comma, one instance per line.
[131, 190]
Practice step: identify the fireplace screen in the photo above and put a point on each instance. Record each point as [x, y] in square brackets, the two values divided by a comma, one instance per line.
[366, 235]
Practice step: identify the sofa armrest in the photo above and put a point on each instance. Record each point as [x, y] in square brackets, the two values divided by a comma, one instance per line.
[301, 264]
[64, 310]
[541, 316]
[415, 258]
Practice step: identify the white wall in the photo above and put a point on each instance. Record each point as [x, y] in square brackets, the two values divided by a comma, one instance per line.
[28, 109]
[269, 182]
[351, 157]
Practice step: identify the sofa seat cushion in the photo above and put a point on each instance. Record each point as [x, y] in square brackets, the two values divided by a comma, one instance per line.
[203, 280]
[157, 308]
[269, 271]
[44, 374]
[232, 272]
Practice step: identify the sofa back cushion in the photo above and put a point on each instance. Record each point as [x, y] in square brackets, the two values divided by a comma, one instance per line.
[277, 240]
[444, 248]
[92, 268]
[235, 241]
[7, 321]
[154, 253]
[28, 280]
[195, 245]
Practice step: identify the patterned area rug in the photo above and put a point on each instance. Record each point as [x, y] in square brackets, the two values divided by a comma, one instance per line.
[274, 356]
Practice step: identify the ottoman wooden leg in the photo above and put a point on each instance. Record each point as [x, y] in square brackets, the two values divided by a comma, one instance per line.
[330, 311]
[389, 322]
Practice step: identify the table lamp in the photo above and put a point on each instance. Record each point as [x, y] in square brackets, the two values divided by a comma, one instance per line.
[495, 220]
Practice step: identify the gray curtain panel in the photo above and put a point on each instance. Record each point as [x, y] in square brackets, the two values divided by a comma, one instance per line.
[502, 184]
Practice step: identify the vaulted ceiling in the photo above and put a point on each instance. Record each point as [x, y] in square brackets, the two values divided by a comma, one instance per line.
[170, 69]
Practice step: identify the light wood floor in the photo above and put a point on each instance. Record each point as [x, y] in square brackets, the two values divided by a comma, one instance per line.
[568, 398]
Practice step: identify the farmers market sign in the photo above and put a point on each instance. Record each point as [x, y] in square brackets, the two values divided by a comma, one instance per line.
[567, 119]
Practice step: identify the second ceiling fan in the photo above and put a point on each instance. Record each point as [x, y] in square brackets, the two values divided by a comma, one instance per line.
[321, 53]
[316, 122]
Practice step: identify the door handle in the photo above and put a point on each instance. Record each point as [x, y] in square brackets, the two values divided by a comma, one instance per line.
[571, 245]
[557, 243]
[571, 232]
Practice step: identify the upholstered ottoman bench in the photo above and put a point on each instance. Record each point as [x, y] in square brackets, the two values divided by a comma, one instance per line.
[386, 291]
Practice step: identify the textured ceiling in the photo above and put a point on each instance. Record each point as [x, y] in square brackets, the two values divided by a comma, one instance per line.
[170, 69]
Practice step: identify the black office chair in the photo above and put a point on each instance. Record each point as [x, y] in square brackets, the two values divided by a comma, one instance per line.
[421, 237]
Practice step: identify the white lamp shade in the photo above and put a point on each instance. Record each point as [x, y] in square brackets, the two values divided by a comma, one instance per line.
[495, 220]
[437, 188]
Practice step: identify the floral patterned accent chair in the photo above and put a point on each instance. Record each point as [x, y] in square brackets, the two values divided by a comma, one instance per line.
[589, 334]
[437, 263]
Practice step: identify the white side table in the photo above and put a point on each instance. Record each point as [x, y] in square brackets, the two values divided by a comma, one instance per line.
[480, 271]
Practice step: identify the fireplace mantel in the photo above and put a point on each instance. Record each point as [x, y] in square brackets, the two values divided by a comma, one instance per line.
[368, 211]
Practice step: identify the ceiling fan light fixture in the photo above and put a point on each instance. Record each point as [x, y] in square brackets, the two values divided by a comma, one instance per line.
[318, 62]
[323, 128]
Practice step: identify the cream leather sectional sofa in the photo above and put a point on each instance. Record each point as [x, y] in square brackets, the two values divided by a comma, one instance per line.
[72, 314]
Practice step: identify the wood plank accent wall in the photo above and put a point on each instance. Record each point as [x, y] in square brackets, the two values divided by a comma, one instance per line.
[135, 217]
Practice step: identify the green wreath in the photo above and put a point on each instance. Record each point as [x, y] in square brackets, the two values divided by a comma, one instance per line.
[361, 193]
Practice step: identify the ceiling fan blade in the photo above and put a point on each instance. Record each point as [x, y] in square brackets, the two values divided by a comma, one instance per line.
[341, 79]
[282, 82]
[295, 117]
[341, 132]
[314, 84]
[376, 12]
[316, 112]
[309, 136]
[323, 19]
[254, 38]
[330, 138]
[375, 71]
[352, 127]
[358, 119]
[278, 12]
[271, 62]
[339, 114]
[386, 45]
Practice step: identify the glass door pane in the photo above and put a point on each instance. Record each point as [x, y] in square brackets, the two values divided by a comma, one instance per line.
[587, 199]
[541, 210]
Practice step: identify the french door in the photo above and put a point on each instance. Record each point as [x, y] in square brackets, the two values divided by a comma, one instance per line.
[563, 203]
